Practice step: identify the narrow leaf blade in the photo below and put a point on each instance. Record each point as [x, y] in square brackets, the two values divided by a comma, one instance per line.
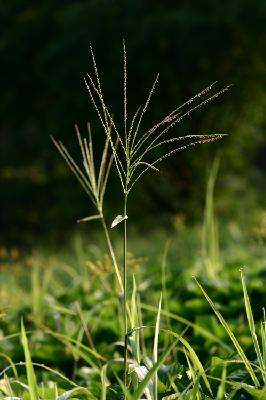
[33, 391]
[90, 218]
[118, 219]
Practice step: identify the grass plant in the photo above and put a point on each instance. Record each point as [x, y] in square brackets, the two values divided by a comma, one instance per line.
[134, 152]
[171, 349]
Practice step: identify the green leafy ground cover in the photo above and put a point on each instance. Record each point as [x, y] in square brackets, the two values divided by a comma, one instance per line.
[70, 306]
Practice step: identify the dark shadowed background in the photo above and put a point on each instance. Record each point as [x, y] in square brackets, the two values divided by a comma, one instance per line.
[44, 53]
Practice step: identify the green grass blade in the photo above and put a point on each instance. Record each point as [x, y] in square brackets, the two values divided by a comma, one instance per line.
[155, 346]
[46, 368]
[221, 388]
[251, 323]
[263, 337]
[12, 365]
[104, 381]
[33, 391]
[91, 218]
[232, 337]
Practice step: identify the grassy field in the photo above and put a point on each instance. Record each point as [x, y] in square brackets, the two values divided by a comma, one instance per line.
[72, 311]
[136, 315]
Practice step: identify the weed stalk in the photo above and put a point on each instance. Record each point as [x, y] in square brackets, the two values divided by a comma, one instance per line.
[125, 288]
[133, 154]
[112, 253]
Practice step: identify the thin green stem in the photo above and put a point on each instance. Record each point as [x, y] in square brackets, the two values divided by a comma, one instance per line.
[164, 288]
[125, 291]
[112, 253]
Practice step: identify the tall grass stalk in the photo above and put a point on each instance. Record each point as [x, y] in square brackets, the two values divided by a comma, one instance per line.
[134, 152]
[210, 239]
[135, 324]
[125, 288]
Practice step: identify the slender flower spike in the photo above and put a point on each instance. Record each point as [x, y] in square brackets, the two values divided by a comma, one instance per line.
[134, 153]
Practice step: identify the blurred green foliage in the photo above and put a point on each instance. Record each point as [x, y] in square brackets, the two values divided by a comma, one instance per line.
[44, 52]
[47, 287]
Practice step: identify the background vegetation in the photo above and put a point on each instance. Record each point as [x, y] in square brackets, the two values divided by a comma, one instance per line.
[44, 52]
[68, 306]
